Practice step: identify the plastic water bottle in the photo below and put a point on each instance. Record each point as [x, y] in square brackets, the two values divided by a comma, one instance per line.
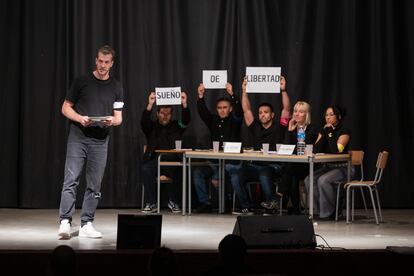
[301, 144]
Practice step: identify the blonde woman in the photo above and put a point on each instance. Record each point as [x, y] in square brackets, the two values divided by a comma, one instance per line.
[294, 172]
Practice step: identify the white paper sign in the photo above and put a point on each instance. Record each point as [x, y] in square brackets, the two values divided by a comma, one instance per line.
[232, 147]
[168, 95]
[215, 79]
[286, 149]
[263, 79]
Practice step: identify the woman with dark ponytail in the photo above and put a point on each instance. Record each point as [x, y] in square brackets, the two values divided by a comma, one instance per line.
[332, 138]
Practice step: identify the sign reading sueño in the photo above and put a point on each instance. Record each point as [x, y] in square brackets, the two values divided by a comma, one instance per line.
[263, 79]
[168, 95]
[216, 79]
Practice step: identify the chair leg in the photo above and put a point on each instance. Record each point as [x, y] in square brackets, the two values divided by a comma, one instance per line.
[347, 204]
[142, 196]
[234, 200]
[373, 204]
[363, 199]
[353, 204]
[379, 205]
[280, 205]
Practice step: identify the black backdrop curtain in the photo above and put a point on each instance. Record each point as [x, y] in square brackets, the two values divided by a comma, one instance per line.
[356, 53]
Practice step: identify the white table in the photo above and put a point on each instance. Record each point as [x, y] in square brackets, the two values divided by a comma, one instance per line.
[221, 156]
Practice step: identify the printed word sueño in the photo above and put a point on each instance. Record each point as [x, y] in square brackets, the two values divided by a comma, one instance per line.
[168, 95]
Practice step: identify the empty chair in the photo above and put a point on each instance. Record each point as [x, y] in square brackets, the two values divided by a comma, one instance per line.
[371, 185]
[357, 160]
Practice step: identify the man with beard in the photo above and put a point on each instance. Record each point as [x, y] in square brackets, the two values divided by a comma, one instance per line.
[161, 135]
[93, 104]
[264, 130]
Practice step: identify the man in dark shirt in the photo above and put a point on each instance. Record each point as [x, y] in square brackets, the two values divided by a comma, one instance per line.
[224, 127]
[93, 104]
[264, 131]
[161, 135]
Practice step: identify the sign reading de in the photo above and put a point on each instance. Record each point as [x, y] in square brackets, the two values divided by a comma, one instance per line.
[216, 79]
[168, 95]
[263, 79]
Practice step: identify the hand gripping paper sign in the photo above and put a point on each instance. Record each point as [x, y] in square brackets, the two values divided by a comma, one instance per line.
[263, 79]
[216, 79]
[168, 95]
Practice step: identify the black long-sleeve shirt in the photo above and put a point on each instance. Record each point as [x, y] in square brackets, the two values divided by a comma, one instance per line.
[162, 137]
[226, 129]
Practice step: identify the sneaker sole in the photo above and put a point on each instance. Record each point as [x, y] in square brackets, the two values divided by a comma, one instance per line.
[149, 212]
[91, 237]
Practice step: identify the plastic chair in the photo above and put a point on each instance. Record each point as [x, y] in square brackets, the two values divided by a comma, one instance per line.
[371, 185]
[357, 159]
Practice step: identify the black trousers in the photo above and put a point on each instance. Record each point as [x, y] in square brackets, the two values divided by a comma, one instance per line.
[289, 186]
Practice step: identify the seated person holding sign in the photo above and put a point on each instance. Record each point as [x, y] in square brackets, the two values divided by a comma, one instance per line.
[161, 135]
[224, 127]
[264, 131]
[294, 172]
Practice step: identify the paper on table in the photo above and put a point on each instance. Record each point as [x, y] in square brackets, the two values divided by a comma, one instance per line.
[286, 149]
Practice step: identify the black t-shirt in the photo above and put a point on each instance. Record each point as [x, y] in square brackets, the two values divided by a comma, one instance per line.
[94, 97]
[329, 139]
[272, 135]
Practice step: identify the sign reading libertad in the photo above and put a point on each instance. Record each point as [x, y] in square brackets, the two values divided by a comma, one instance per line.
[263, 79]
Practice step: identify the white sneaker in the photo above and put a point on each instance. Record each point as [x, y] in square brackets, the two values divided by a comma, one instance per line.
[89, 231]
[64, 229]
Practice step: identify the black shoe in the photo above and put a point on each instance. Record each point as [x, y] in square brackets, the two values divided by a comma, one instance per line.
[243, 212]
[174, 207]
[271, 205]
[203, 208]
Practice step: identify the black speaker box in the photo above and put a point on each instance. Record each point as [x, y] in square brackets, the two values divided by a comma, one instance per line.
[138, 231]
[276, 231]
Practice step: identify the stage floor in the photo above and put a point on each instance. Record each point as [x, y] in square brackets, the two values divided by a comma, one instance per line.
[37, 229]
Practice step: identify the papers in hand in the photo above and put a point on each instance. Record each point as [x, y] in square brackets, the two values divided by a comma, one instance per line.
[99, 118]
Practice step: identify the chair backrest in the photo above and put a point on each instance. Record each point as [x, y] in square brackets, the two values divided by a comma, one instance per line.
[381, 164]
[357, 159]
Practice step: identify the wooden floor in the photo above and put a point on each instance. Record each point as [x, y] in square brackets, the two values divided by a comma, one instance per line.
[23, 229]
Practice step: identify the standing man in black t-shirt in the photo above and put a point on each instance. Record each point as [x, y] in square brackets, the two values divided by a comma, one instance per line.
[224, 127]
[161, 134]
[264, 130]
[93, 104]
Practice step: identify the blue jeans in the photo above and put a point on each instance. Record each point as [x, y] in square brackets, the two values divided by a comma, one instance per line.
[200, 177]
[265, 174]
[237, 179]
[83, 150]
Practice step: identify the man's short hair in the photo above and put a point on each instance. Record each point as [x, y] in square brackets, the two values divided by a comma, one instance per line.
[223, 99]
[266, 104]
[107, 50]
[164, 106]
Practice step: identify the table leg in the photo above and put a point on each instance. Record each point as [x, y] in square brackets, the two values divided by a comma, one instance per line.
[311, 187]
[184, 184]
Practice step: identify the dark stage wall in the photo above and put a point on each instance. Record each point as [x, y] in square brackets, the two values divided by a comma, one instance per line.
[356, 53]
